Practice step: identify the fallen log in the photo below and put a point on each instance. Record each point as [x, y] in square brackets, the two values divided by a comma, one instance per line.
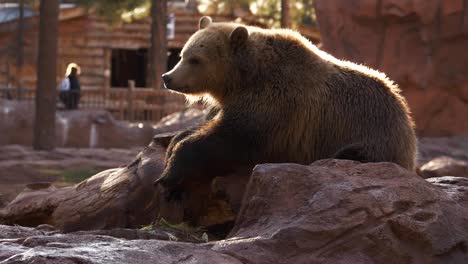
[126, 198]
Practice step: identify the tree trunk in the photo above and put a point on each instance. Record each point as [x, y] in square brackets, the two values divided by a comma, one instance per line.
[285, 21]
[44, 125]
[126, 198]
[158, 51]
[20, 50]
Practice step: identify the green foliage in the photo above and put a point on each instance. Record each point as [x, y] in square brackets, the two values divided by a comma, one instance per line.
[196, 233]
[267, 11]
[53, 172]
[305, 13]
[71, 175]
[183, 227]
[225, 6]
[301, 12]
[111, 9]
[78, 175]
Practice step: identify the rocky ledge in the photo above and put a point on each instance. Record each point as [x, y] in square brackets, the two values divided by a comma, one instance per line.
[333, 211]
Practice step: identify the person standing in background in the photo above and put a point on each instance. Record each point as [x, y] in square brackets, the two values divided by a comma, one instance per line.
[70, 87]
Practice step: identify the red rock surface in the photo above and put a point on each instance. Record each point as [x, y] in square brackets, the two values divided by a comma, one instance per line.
[444, 166]
[180, 121]
[120, 246]
[431, 148]
[455, 187]
[88, 128]
[333, 211]
[422, 45]
[337, 211]
[78, 128]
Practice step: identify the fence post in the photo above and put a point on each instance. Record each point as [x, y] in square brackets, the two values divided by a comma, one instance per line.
[131, 89]
[107, 73]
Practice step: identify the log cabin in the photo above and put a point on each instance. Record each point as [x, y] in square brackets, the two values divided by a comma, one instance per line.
[109, 55]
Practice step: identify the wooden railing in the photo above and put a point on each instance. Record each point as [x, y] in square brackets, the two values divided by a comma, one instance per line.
[125, 103]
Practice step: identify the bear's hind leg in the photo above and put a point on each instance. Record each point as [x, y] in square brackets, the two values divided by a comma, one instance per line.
[352, 152]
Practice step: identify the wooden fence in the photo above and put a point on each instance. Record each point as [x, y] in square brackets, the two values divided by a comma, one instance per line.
[125, 103]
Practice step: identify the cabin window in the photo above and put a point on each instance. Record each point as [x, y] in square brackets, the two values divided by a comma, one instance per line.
[173, 57]
[128, 65]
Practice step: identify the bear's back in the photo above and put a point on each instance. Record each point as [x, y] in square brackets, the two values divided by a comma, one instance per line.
[325, 104]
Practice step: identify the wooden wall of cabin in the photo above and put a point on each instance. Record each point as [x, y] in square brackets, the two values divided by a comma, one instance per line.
[8, 54]
[72, 43]
[87, 41]
[75, 46]
[127, 36]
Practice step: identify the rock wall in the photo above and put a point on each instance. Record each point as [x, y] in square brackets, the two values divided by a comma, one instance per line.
[87, 128]
[420, 44]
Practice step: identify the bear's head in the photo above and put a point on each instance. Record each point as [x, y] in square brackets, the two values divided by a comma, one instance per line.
[206, 63]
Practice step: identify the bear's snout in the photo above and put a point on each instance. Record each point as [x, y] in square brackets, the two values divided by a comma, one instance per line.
[166, 79]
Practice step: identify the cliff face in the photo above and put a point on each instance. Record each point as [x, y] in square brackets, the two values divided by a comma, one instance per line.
[420, 44]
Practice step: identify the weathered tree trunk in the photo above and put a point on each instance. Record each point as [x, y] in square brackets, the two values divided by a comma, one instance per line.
[158, 50]
[285, 20]
[44, 125]
[20, 50]
[126, 198]
[110, 199]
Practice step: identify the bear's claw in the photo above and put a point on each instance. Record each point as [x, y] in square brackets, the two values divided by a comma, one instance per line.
[172, 192]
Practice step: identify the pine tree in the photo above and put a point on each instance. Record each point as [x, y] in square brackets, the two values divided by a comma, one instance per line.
[44, 125]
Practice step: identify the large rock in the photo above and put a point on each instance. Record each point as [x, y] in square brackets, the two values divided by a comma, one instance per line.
[180, 121]
[419, 44]
[27, 245]
[345, 212]
[455, 187]
[444, 166]
[431, 148]
[78, 128]
[333, 211]
[88, 128]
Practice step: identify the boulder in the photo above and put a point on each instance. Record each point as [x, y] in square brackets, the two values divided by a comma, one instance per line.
[419, 44]
[180, 121]
[431, 148]
[77, 128]
[333, 211]
[337, 211]
[30, 245]
[99, 129]
[455, 187]
[444, 166]
[88, 128]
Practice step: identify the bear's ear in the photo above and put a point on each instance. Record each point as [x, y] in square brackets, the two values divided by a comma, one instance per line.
[239, 36]
[204, 22]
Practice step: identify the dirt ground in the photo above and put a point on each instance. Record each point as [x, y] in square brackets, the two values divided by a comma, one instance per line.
[21, 167]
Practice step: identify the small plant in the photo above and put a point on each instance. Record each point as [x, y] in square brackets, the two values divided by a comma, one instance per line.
[197, 233]
[78, 175]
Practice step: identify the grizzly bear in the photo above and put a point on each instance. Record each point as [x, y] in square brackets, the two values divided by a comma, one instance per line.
[280, 99]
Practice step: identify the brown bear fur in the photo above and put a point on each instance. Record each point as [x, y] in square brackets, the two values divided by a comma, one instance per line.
[281, 99]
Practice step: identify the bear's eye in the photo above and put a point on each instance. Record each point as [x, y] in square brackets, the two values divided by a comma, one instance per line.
[194, 61]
